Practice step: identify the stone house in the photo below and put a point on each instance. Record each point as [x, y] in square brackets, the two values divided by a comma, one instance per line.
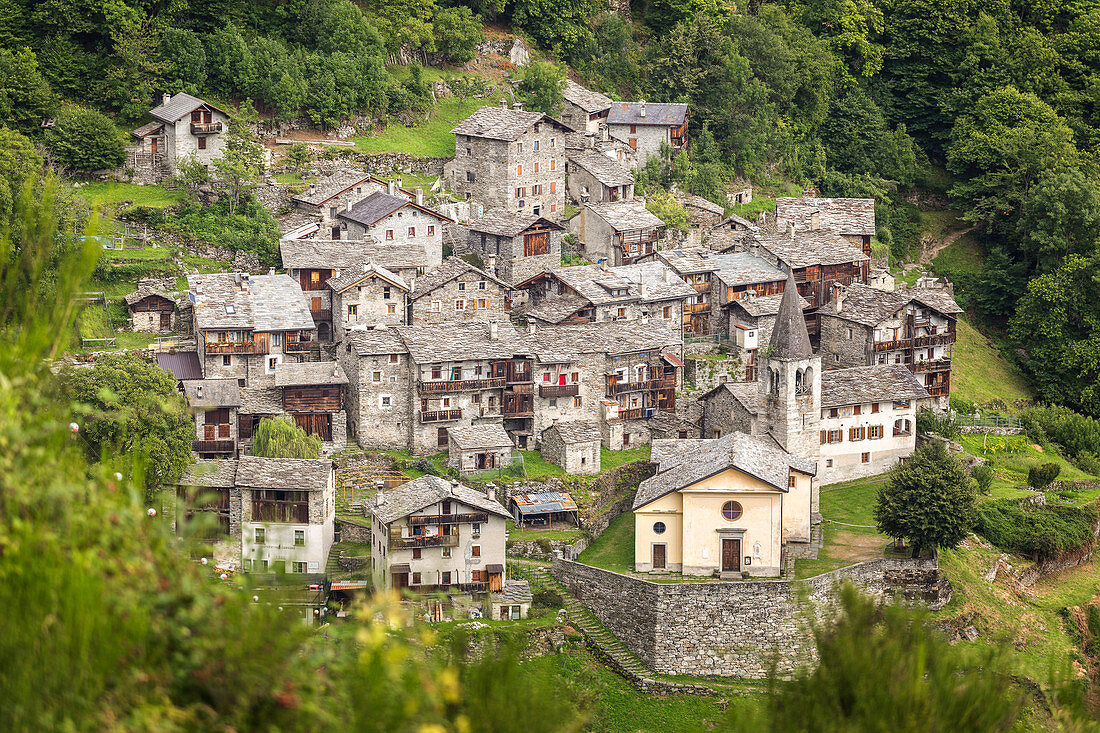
[260, 399]
[478, 447]
[728, 233]
[381, 394]
[585, 110]
[575, 446]
[513, 601]
[723, 507]
[646, 292]
[152, 310]
[511, 159]
[456, 291]
[644, 126]
[326, 198]
[619, 233]
[369, 297]
[914, 327]
[703, 215]
[602, 142]
[313, 395]
[287, 510]
[389, 218]
[214, 404]
[246, 324]
[183, 127]
[595, 177]
[852, 219]
[750, 321]
[515, 246]
[207, 492]
[312, 262]
[431, 534]
[868, 420]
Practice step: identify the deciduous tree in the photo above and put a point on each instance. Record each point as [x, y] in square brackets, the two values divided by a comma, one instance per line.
[85, 140]
[280, 437]
[542, 88]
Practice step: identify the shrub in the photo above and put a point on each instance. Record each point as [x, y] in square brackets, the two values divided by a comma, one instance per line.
[547, 598]
[983, 475]
[1075, 432]
[85, 140]
[962, 406]
[1040, 477]
[928, 421]
[1037, 532]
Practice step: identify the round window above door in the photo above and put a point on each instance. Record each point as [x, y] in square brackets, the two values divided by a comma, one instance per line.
[658, 528]
[731, 511]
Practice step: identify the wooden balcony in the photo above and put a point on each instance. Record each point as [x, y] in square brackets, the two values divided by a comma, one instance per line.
[637, 413]
[206, 128]
[297, 347]
[559, 390]
[461, 385]
[938, 365]
[468, 518]
[697, 308]
[645, 386]
[213, 446]
[526, 411]
[440, 415]
[936, 339]
[397, 542]
[321, 315]
[938, 390]
[255, 346]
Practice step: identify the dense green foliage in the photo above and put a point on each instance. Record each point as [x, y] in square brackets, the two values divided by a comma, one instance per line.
[983, 475]
[1078, 435]
[1041, 477]
[929, 500]
[541, 86]
[84, 140]
[280, 437]
[251, 227]
[930, 421]
[1036, 532]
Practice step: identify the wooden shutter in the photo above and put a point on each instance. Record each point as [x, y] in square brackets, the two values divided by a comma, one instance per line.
[824, 436]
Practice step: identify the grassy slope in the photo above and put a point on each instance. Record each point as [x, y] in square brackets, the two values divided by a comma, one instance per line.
[98, 194]
[980, 373]
[849, 533]
[431, 137]
[614, 549]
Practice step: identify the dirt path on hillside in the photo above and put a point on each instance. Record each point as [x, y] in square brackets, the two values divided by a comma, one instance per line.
[929, 253]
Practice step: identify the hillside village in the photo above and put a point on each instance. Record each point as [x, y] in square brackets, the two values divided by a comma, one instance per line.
[540, 385]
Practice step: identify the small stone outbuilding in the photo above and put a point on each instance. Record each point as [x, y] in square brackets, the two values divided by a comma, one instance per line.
[575, 446]
[513, 601]
[151, 310]
[478, 448]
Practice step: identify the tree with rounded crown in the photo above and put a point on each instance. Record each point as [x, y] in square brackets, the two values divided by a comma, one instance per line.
[280, 437]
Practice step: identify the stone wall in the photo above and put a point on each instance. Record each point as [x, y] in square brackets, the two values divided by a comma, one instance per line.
[975, 430]
[706, 374]
[734, 629]
[380, 163]
[352, 532]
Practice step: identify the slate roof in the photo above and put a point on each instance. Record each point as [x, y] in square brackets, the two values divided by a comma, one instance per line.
[461, 341]
[747, 393]
[625, 216]
[577, 431]
[939, 299]
[145, 292]
[309, 374]
[338, 254]
[515, 592]
[451, 268]
[425, 491]
[261, 399]
[595, 283]
[562, 344]
[353, 275]
[292, 474]
[219, 474]
[732, 268]
[545, 502]
[699, 202]
[656, 113]
[764, 305]
[376, 207]
[331, 186]
[146, 129]
[507, 223]
[487, 435]
[607, 171]
[843, 215]
[260, 303]
[181, 364]
[682, 466]
[588, 100]
[502, 123]
[214, 392]
[876, 383]
[179, 105]
[817, 247]
[790, 339]
[870, 306]
[557, 309]
[738, 220]
[368, 342]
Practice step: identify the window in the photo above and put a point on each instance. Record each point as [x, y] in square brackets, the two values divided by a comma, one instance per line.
[437, 372]
[297, 567]
[828, 463]
[864, 457]
[857, 410]
[386, 294]
[516, 613]
[417, 553]
[353, 310]
[901, 404]
[536, 150]
[476, 530]
[874, 432]
[475, 551]
[667, 312]
[790, 481]
[412, 231]
[446, 576]
[446, 552]
[227, 360]
[831, 436]
[659, 528]
[553, 188]
[536, 164]
[849, 333]
[437, 306]
[389, 234]
[393, 358]
[385, 400]
[731, 511]
[855, 434]
[299, 538]
[460, 304]
[553, 165]
[482, 303]
[416, 579]
[277, 339]
[633, 129]
[576, 402]
[575, 377]
[391, 308]
[376, 377]
[469, 176]
[834, 412]
[553, 207]
[480, 284]
[536, 190]
[431, 230]
[874, 407]
[553, 142]
[519, 168]
[461, 286]
[260, 534]
[202, 143]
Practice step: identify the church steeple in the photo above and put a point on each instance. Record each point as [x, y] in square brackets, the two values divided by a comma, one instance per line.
[790, 340]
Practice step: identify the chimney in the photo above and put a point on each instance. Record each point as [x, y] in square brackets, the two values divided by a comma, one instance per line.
[398, 184]
[503, 103]
[419, 196]
[517, 106]
[493, 330]
[531, 325]
[380, 497]
[668, 276]
[838, 296]
[312, 188]
[605, 134]
[198, 390]
[641, 110]
[166, 98]
[643, 290]
[390, 188]
[271, 271]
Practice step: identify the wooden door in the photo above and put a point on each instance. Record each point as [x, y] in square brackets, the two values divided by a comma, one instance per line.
[731, 556]
[441, 437]
[315, 304]
[494, 582]
[659, 557]
[209, 431]
[165, 321]
[153, 144]
[400, 580]
[537, 243]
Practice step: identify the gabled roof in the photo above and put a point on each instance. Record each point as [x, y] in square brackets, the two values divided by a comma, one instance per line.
[656, 113]
[564, 344]
[790, 338]
[876, 383]
[870, 306]
[147, 129]
[452, 268]
[746, 393]
[369, 342]
[732, 268]
[557, 309]
[147, 292]
[426, 491]
[508, 222]
[940, 299]
[212, 392]
[739, 221]
[309, 374]
[576, 431]
[513, 592]
[604, 169]
[844, 216]
[698, 202]
[597, 284]
[680, 466]
[355, 275]
[588, 100]
[334, 185]
[289, 474]
[487, 435]
[461, 341]
[179, 105]
[338, 254]
[256, 302]
[501, 123]
[764, 305]
[218, 474]
[808, 248]
[625, 216]
[379, 205]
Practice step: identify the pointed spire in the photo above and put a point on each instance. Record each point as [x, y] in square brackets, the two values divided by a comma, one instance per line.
[790, 339]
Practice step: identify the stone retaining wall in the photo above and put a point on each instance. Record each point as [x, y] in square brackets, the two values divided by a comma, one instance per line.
[977, 430]
[734, 629]
[352, 532]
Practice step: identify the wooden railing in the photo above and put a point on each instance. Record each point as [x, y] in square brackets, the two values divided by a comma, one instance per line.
[559, 390]
[213, 446]
[440, 415]
[461, 385]
[635, 413]
[644, 386]
[697, 308]
[256, 346]
[938, 365]
[297, 347]
[205, 128]
[469, 518]
[397, 542]
[321, 315]
[936, 339]
[938, 390]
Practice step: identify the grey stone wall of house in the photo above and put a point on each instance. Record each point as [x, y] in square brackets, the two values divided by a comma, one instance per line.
[707, 374]
[734, 629]
[149, 321]
[596, 238]
[235, 515]
[181, 143]
[372, 422]
[372, 307]
[649, 139]
[466, 288]
[464, 461]
[591, 388]
[200, 425]
[503, 256]
[584, 188]
[839, 350]
[427, 232]
[723, 414]
[339, 434]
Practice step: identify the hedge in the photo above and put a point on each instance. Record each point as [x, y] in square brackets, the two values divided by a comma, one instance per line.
[1038, 532]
